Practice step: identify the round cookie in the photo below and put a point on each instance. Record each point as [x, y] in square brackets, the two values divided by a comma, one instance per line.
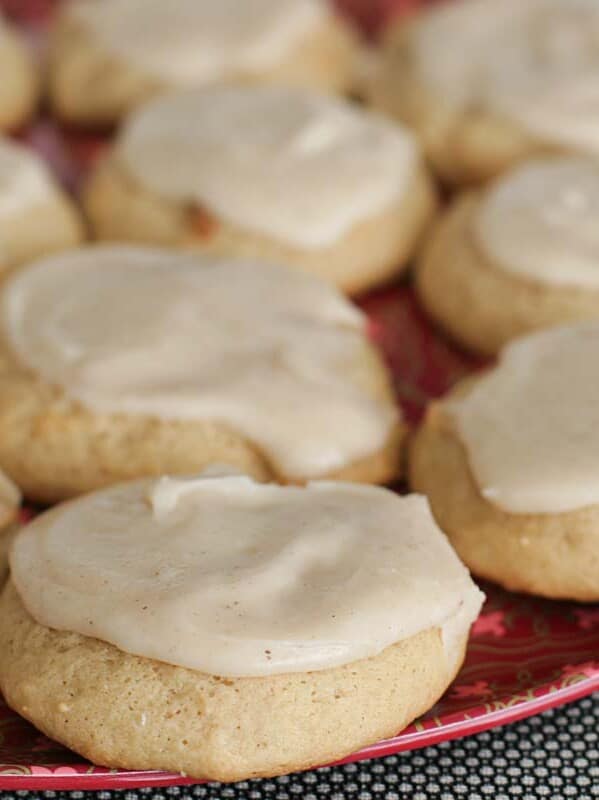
[108, 57]
[517, 256]
[486, 85]
[10, 502]
[348, 616]
[281, 174]
[120, 362]
[19, 87]
[508, 465]
[36, 216]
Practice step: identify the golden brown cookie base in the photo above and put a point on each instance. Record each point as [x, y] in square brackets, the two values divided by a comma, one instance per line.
[128, 712]
[19, 82]
[480, 305]
[53, 448]
[90, 86]
[373, 252]
[554, 555]
[465, 146]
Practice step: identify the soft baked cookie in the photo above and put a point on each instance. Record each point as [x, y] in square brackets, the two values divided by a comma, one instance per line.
[519, 255]
[108, 57]
[282, 174]
[19, 86]
[10, 502]
[120, 362]
[486, 84]
[36, 216]
[226, 629]
[509, 463]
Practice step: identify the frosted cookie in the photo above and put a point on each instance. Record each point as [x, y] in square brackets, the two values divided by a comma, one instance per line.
[509, 463]
[107, 57]
[287, 175]
[226, 629]
[36, 216]
[486, 84]
[10, 502]
[19, 85]
[121, 362]
[520, 255]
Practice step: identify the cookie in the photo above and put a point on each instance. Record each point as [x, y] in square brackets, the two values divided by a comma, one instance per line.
[270, 629]
[36, 216]
[281, 174]
[10, 501]
[120, 362]
[486, 85]
[517, 256]
[508, 461]
[19, 87]
[107, 57]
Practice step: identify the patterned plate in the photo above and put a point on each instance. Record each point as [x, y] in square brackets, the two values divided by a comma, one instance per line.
[525, 655]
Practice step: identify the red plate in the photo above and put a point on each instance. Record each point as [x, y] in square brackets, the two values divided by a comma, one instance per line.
[525, 655]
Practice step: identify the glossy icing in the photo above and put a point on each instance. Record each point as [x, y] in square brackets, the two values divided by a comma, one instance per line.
[187, 42]
[535, 62]
[234, 578]
[540, 222]
[530, 426]
[278, 356]
[301, 167]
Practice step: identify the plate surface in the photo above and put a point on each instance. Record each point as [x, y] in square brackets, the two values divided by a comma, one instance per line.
[525, 655]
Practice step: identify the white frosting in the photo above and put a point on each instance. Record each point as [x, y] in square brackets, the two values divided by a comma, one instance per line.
[230, 577]
[536, 61]
[24, 182]
[301, 167]
[531, 425]
[276, 354]
[541, 221]
[187, 42]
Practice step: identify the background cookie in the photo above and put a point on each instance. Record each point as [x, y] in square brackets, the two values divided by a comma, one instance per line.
[36, 216]
[19, 86]
[98, 72]
[54, 445]
[10, 502]
[506, 461]
[444, 74]
[266, 172]
[519, 255]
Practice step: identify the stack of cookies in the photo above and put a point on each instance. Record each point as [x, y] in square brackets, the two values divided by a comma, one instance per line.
[229, 591]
